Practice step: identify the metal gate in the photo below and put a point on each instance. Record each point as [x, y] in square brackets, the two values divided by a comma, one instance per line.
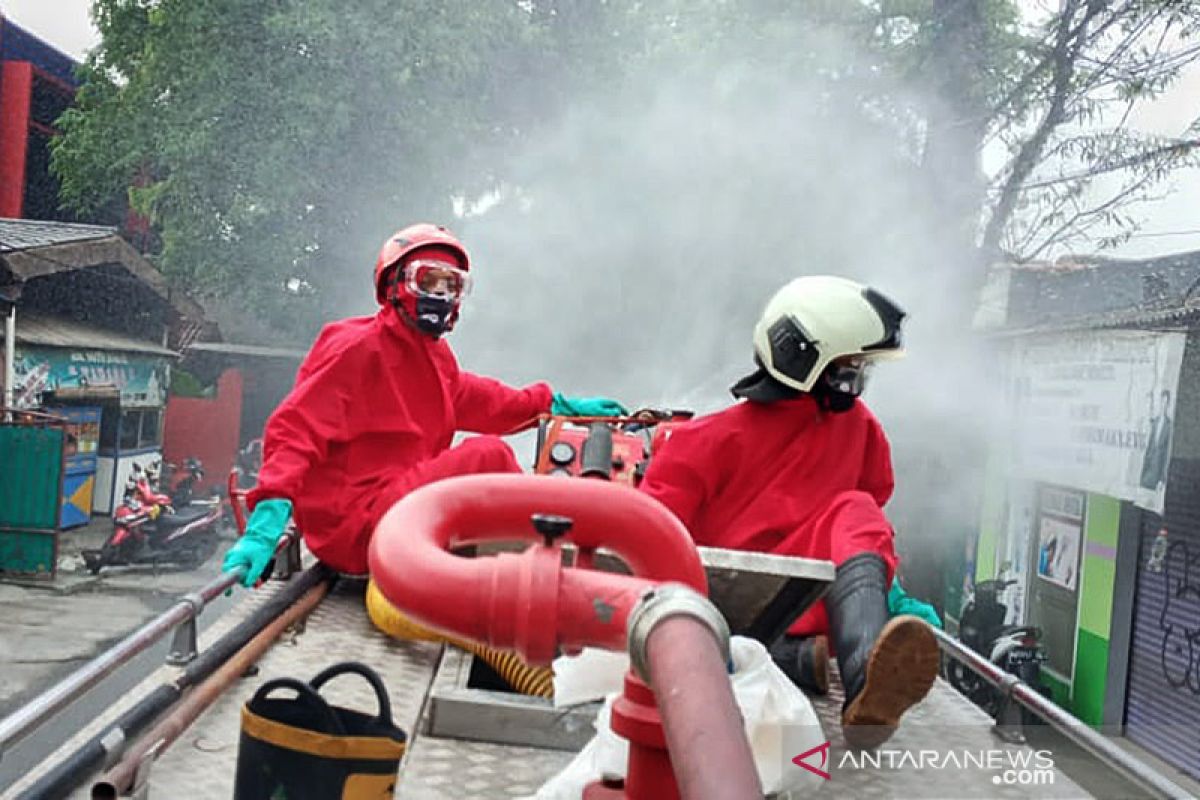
[31, 471]
[1163, 704]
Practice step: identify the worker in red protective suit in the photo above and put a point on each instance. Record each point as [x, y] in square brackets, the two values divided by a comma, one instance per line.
[375, 406]
[802, 468]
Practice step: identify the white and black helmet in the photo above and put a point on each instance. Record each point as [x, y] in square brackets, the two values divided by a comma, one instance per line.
[810, 323]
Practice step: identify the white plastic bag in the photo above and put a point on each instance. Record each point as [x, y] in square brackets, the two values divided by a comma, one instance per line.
[592, 675]
[779, 720]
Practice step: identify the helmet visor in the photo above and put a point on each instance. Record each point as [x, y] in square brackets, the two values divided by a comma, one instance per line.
[430, 278]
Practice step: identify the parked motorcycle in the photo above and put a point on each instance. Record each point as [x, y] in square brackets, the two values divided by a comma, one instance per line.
[148, 528]
[1016, 649]
[249, 462]
[182, 488]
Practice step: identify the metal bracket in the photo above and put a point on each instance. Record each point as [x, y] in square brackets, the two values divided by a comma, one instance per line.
[183, 642]
[287, 563]
[665, 601]
[1009, 719]
[113, 745]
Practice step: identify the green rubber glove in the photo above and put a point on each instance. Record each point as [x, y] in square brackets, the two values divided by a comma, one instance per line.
[257, 546]
[586, 407]
[899, 602]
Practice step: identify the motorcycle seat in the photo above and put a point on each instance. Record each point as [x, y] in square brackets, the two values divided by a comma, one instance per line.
[184, 516]
[1009, 630]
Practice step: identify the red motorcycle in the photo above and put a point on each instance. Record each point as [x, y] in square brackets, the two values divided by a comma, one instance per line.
[149, 528]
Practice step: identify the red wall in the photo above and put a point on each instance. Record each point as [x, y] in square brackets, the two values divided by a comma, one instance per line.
[206, 429]
[16, 89]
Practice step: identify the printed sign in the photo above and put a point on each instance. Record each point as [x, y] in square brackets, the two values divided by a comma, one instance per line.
[142, 380]
[1058, 551]
[1095, 411]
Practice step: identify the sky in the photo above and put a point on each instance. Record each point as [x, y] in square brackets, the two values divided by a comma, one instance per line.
[63, 23]
[66, 25]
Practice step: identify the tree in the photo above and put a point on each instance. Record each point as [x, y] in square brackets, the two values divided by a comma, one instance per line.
[1055, 92]
[273, 144]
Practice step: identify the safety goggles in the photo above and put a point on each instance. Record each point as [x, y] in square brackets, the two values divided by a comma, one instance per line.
[427, 278]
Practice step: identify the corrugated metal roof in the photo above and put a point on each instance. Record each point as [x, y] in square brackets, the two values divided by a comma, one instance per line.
[1179, 316]
[23, 234]
[51, 332]
[18, 44]
[245, 350]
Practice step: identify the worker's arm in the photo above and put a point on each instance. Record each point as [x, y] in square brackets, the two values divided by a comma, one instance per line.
[877, 478]
[485, 405]
[316, 412]
[677, 476]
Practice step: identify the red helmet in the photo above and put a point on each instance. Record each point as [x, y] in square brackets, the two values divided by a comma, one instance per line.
[406, 241]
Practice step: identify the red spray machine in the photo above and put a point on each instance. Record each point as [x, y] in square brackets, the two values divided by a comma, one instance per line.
[610, 448]
[678, 712]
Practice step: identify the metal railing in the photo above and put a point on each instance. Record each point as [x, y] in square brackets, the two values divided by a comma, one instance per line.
[1013, 688]
[180, 618]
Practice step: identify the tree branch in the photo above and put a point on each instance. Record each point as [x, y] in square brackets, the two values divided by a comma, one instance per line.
[1176, 148]
[1117, 199]
[1066, 53]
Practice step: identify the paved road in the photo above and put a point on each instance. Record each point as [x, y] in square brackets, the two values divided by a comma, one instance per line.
[47, 633]
[58, 729]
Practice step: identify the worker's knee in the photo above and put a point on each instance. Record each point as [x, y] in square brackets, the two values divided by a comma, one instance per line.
[856, 524]
[488, 454]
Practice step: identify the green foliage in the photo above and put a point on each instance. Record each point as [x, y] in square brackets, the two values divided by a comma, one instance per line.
[275, 143]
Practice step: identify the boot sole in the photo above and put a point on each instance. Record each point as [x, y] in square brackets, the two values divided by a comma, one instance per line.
[900, 671]
[820, 654]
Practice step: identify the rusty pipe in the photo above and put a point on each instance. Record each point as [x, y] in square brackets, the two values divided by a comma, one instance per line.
[120, 778]
[527, 602]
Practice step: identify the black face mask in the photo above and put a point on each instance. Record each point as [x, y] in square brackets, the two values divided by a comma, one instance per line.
[838, 387]
[433, 315]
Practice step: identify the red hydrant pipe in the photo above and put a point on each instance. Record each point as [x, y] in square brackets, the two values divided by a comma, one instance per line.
[530, 603]
[527, 602]
[698, 711]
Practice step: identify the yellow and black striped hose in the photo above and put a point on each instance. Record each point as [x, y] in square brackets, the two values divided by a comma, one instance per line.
[523, 678]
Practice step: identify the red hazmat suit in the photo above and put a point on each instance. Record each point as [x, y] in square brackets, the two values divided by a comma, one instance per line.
[371, 417]
[783, 478]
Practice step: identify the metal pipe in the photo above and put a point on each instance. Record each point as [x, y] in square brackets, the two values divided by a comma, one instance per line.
[68, 773]
[26, 719]
[120, 778]
[10, 356]
[705, 733]
[1012, 686]
[596, 459]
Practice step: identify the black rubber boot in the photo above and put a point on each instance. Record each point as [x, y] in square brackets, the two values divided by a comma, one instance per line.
[886, 666]
[805, 660]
